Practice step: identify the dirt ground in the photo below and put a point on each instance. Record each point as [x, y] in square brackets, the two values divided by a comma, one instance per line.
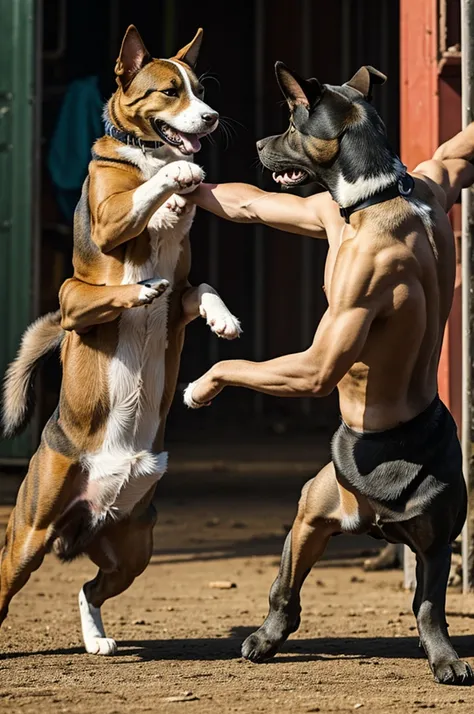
[356, 648]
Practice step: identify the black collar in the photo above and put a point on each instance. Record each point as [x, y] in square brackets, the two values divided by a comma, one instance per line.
[402, 187]
[128, 138]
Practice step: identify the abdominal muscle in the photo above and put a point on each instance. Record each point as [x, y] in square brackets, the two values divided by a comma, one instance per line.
[387, 388]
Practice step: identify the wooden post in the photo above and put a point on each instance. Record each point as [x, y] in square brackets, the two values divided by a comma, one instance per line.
[467, 66]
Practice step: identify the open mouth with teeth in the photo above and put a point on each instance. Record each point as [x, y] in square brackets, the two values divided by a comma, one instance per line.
[186, 143]
[290, 177]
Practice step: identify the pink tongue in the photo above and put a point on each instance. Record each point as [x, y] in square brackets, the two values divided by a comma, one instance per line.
[191, 142]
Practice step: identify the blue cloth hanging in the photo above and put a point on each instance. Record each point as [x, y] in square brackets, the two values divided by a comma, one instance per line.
[79, 124]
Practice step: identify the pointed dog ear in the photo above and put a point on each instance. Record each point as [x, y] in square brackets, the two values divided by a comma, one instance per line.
[364, 79]
[133, 56]
[295, 89]
[189, 53]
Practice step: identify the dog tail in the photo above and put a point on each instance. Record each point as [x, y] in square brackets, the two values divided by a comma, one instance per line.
[41, 337]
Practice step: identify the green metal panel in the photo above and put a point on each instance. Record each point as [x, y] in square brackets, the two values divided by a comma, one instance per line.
[17, 36]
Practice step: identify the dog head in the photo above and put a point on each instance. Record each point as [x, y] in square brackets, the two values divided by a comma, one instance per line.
[161, 99]
[320, 115]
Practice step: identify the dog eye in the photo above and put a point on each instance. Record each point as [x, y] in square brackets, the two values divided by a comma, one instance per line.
[171, 92]
[200, 91]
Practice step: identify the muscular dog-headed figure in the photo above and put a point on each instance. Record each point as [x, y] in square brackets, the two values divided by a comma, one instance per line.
[389, 279]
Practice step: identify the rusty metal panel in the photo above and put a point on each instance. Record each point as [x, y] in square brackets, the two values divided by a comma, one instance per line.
[419, 126]
[430, 114]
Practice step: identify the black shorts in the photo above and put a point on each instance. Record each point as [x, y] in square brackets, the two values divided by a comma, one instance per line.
[406, 471]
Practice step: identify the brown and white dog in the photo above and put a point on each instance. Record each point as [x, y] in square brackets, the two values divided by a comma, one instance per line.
[90, 484]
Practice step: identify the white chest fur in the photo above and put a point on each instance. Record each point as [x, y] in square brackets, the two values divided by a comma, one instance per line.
[124, 469]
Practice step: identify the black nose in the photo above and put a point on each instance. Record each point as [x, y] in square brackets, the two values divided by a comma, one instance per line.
[210, 117]
[262, 142]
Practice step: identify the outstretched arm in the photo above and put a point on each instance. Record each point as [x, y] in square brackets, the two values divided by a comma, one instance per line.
[244, 203]
[451, 167]
[362, 288]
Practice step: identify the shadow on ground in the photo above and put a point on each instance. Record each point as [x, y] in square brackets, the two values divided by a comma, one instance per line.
[301, 650]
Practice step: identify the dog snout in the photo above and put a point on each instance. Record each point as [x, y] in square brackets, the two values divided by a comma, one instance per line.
[262, 143]
[210, 118]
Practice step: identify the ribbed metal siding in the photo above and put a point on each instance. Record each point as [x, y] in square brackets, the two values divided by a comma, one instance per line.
[17, 29]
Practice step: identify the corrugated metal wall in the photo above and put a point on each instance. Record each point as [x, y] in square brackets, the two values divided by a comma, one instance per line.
[17, 185]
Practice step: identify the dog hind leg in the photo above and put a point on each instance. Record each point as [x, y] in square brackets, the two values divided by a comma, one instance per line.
[431, 619]
[43, 496]
[22, 554]
[319, 516]
[122, 551]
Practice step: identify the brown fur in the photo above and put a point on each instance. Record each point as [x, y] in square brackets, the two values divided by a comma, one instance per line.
[54, 505]
[39, 340]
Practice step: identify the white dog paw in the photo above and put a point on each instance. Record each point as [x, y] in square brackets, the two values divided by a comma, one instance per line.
[104, 646]
[183, 176]
[222, 322]
[188, 397]
[93, 634]
[148, 294]
[218, 317]
[227, 327]
[177, 205]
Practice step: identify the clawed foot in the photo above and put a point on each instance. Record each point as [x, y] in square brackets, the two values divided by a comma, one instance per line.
[267, 640]
[260, 646]
[453, 672]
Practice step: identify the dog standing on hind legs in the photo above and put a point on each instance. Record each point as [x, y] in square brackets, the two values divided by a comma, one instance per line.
[389, 278]
[120, 329]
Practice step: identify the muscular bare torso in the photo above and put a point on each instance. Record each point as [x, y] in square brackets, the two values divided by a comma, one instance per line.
[395, 376]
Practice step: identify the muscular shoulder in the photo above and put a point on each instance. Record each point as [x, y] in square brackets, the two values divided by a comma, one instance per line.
[364, 273]
[446, 177]
[107, 178]
[434, 175]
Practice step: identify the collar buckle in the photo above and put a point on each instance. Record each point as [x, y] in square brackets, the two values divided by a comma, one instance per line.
[406, 184]
[345, 214]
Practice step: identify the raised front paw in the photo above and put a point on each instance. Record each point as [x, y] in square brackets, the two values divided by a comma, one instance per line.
[182, 176]
[225, 326]
[151, 289]
[177, 204]
[219, 318]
